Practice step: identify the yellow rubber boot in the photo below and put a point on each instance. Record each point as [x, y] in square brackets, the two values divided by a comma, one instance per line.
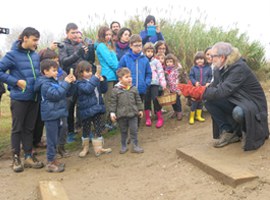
[191, 117]
[199, 115]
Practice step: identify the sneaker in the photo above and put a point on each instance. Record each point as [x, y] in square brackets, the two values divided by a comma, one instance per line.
[137, 149]
[62, 151]
[33, 162]
[54, 167]
[70, 137]
[225, 139]
[123, 150]
[17, 164]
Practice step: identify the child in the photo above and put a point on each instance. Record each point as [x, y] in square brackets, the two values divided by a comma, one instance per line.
[174, 74]
[158, 79]
[200, 75]
[91, 106]
[53, 108]
[161, 58]
[138, 64]
[125, 107]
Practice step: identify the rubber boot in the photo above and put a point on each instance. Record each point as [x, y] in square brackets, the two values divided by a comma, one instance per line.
[147, 118]
[191, 117]
[85, 145]
[179, 116]
[160, 120]
[199, 115]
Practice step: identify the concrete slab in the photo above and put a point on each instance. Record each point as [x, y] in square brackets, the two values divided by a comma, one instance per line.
[229, 164]
[52, 190]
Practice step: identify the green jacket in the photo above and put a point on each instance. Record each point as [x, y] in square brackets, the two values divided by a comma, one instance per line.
[125, 103]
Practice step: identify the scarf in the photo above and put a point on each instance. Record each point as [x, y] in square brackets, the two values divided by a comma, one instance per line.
[122, 45]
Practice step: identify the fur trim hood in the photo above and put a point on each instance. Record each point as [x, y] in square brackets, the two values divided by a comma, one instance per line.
[233, 57]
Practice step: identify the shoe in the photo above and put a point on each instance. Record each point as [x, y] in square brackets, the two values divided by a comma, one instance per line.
[54, 167]
[32, 162]
[70, 137]
[17, 164]
[137, 149]
[225, 139]
[123, 150]
[62, 151]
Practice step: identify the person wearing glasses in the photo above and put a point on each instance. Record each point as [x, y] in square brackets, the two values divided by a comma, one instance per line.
[138, 64]
[236, 101]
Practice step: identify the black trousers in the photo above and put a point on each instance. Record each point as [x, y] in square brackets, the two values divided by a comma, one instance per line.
[24, 114]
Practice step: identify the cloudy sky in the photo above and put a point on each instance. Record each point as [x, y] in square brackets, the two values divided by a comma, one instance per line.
[52, 15]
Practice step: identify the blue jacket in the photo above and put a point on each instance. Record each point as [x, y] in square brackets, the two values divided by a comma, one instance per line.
[22, 65]
[53, 98]
[90, 101]
[153, 39]
[140, 70]
[108, 61]
[202, 75]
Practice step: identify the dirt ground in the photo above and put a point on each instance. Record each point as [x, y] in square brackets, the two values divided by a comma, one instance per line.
[156, 174]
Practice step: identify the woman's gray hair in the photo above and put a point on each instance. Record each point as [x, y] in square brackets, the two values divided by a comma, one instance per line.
[223, 48]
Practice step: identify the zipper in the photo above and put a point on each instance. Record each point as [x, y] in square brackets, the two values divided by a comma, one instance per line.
[33, 69]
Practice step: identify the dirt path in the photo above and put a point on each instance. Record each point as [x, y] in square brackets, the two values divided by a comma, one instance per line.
[156, 174]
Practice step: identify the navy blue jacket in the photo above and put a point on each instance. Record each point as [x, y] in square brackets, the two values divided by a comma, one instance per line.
[90, 100]
[120, 52]
[53, 98]
[22, 64]
[202, 75]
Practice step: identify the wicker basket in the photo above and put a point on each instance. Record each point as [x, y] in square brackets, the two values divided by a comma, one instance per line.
[167, 99]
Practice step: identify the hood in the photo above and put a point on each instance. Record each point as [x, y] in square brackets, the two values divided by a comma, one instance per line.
[17, 46]
[233, 57]
[40, 81]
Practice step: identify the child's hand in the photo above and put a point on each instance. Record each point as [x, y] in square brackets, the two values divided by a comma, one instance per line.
[207, 84]
[21, 84]
[113, 117]
[197, 84]
[70, 78]
[140, 114]
[179, 93]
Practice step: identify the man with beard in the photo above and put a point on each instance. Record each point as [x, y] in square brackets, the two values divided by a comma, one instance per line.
[115, 27]
[22, 64]
[235, 100]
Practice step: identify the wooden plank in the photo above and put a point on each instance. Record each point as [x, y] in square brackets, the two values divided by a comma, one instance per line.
[52, 190]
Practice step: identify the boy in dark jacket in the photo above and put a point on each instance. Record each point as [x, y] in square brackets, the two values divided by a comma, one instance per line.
[22, 64]
[53, 107]
[126, 106]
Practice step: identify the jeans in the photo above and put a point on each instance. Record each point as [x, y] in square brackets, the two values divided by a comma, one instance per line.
[53, 128]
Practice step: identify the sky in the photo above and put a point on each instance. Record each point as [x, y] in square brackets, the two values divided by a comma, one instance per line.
[52, 15]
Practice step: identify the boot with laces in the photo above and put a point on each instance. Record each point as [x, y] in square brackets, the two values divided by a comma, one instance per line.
[17, 164]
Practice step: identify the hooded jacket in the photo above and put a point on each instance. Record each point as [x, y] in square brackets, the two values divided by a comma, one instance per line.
[90, 101]
[22, 64]
[125, 103]
[238, 85]
[53, 98]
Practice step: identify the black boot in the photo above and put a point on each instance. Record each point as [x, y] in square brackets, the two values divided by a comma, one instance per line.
[62, 152]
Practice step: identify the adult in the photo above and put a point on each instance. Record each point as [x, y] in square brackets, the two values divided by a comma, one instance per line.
[122, 45]
[236, 101]
[162, 47]
[105, 51]
[22, 64]
[115, 27]
[154, 36]
[70, 55]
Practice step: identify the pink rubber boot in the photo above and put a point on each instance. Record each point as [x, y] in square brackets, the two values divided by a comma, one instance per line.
[159, 120]
[147, 118]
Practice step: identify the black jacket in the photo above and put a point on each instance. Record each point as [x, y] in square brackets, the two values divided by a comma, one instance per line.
[239, 85]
